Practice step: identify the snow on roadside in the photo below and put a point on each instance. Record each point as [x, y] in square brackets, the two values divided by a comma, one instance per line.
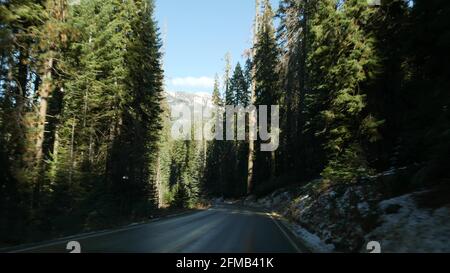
[310, 240]
[345, 218]
[407, 228]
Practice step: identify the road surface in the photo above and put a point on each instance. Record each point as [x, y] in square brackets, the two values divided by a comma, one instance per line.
[223, 229]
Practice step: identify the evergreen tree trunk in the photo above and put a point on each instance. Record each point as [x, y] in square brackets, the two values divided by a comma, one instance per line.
[22, 81]
[251, 145]
[44, 94]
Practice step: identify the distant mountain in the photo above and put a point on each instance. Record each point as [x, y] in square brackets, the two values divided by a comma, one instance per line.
[195, 101]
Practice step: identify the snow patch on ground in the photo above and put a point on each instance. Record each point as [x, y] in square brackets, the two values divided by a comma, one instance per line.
[310, 240]
[345, 218]
[407, 228]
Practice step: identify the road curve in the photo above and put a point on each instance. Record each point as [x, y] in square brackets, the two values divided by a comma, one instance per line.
[223, 229]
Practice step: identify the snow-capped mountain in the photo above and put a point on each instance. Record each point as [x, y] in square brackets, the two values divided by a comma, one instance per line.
[195, 101]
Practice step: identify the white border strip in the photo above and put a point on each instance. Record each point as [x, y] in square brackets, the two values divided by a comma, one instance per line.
[294, 245]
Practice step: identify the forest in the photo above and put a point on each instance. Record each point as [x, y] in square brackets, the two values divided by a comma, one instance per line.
[85, 124]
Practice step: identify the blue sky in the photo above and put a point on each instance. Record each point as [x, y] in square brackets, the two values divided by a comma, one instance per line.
[198, 34]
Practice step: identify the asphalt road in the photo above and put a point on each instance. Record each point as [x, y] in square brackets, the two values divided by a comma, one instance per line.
[224, 229]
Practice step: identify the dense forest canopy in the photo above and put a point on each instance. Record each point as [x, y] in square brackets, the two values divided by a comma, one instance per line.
[85, 127]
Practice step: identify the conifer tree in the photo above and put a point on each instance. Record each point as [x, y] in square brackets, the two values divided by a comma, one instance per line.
[216, 97]
[230, 96]
[251, 145]
[343, 99]
[239, 86]
[266, 83]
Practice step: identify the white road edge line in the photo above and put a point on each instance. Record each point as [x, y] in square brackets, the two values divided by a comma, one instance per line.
[77, 238]
[98, 234]
[285, 234]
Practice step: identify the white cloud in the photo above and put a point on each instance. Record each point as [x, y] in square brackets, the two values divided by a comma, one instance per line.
[204, 82]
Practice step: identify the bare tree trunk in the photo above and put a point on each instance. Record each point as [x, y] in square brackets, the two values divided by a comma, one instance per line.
[299, 145]
[85, 107]
[205, 143]
[44, 94]
[273, 164]
[251, 146]
[72, 140]
[91, 150]
[56, 145]
[22, 81]
[159, 182]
